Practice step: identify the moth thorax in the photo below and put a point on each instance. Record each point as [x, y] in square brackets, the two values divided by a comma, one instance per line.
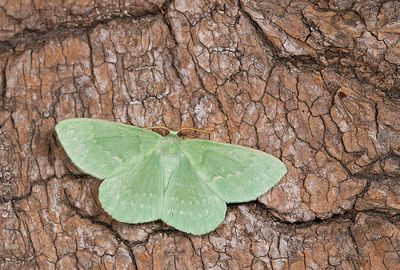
[170, 156]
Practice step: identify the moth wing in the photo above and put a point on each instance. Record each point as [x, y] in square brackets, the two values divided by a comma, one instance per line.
[234, 173]
[135, 195]
[103, 148]
[189, 205]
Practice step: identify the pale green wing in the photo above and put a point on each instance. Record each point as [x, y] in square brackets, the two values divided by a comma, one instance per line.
[127, 157]
[189, 205]
[234, 173]
[136, 195]
[103, 148]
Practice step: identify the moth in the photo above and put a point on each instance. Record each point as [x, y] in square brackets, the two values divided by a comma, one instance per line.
[184, 182]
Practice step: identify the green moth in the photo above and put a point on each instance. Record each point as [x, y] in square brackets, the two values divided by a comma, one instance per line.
[184, 182]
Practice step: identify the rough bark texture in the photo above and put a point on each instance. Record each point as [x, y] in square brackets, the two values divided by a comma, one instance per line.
[315, 83]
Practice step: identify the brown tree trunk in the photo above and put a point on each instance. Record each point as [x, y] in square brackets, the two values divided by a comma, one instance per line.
[315, 83]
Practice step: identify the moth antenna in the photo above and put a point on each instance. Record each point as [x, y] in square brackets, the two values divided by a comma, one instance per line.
[196, 129]
[159, 127]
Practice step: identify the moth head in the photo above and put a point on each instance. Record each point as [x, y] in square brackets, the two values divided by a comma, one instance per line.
[181, 133]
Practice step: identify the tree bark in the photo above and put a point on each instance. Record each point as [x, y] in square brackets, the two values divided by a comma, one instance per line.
[315, 83]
